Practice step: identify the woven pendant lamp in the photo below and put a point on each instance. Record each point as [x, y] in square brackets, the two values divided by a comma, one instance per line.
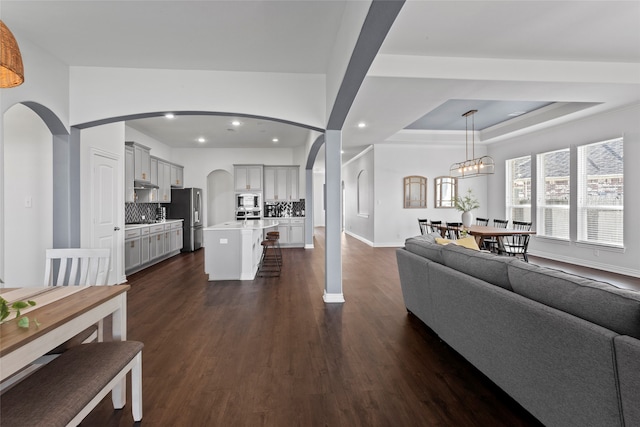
[11, 69]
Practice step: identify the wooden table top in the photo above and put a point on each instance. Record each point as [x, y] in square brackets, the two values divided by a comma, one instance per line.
[486, 230]
[54, 307]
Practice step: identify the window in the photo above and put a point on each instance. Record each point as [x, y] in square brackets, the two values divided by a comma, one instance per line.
[415, 192]
[601, 192]
[518, 186]
[446, 191]
[363, 193]
[553, 194]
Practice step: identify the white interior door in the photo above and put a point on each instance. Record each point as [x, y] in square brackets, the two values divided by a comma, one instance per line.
[106, 210]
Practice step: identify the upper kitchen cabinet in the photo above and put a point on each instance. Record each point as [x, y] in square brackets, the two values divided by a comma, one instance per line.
[142, 161]
[177, 173]
[281, 183]
[129, 190]
[164, 181]
[248, 177]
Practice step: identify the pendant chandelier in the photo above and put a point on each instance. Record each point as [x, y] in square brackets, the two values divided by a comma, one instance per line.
[11, 69]
[472, 166]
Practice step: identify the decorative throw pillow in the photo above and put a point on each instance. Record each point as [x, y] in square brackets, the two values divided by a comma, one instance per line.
[467, 242]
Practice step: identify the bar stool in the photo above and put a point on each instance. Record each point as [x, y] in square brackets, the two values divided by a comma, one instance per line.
[269, 262]
[275, 235]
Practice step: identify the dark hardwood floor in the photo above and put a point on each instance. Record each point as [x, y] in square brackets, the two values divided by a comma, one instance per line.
[270, 352]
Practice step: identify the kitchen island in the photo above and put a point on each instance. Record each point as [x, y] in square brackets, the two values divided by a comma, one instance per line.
[232, 249]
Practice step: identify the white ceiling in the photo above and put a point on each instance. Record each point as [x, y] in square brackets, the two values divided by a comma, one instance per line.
[563, 52]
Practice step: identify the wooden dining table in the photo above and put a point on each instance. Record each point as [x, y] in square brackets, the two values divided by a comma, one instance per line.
[61, 312]
[481, 232]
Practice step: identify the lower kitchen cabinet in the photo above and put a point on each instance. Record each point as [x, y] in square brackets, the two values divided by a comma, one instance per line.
[291, 231]
[146, 245]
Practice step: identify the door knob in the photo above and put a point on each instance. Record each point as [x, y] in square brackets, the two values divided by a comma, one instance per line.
[116, 228]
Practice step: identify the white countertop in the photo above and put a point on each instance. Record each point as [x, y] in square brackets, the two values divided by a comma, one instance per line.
[245, 225]
[151, 224]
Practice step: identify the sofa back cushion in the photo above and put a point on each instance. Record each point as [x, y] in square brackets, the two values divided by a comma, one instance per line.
[425, 246]
[482, 265]
[598, 302]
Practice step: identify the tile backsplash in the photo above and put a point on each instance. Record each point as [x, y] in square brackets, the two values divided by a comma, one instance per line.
[133, 212]
[284, 209]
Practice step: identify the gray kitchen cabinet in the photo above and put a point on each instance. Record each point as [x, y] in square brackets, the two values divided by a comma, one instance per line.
[164, 181]
[281, 183]
[176, 235]
[177, 176]
[156, 236]
[248, 177]
[296, 231]
[132, 252]
[144, 245]
[129, 191]
[142, 161]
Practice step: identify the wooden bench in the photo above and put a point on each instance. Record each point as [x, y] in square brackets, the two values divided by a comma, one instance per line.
[64, 391]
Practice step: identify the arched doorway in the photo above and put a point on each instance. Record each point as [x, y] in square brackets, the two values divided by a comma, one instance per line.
[220, 206]
[28, 196]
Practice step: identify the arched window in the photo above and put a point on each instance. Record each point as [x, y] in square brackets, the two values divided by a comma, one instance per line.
[415, 192]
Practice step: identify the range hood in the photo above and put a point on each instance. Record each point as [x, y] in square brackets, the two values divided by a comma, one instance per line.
[142, 185]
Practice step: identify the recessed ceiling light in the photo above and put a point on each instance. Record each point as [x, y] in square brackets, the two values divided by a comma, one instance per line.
[201, 139]
[169, 115]
[516, 113]
[275, 140]
[362, 125]
[236, 123]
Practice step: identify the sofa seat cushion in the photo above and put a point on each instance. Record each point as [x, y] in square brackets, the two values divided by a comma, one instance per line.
[426, 247]
[482, 265]
[598, 302]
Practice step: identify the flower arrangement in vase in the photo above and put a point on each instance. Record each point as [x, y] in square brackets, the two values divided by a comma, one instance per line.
[466, 204]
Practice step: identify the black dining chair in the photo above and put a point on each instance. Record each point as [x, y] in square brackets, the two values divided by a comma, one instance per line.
[482, 221]
[424, 225]
[516, 244]
[453, 230]
[435, 226]
[491, 243]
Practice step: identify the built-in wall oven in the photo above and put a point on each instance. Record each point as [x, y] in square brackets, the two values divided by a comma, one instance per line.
[248, 206]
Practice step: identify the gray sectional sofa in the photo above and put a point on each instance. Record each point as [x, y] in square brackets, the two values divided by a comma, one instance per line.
[565, 347]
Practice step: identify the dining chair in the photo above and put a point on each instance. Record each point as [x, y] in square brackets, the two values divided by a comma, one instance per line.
[482, 221]
[424, 225]
[77, 267]
[514, 245]
[522, 225]
[435, 226]
[453, 230]
[491, 243]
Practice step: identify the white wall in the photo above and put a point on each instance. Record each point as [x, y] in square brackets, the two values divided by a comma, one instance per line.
[362, 227]
[28, 172]
[394, 223]
[318, 199]
[124, 91]
[592, 129]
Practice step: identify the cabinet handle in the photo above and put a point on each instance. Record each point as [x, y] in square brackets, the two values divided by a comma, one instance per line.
[133, 244]
[116, 228]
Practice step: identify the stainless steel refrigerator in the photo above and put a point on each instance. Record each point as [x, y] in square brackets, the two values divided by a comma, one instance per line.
[186, 203]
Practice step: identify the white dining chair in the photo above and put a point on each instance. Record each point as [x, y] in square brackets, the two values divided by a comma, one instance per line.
[77, 267]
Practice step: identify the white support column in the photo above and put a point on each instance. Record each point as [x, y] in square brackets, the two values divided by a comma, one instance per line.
[333, 197]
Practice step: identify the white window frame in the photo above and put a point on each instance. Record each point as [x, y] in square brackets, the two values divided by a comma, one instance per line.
[510, 203]
[584, 208]
[541, 201]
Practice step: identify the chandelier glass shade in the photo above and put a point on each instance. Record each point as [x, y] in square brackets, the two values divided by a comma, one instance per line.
[11, 69]
[472, 166]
